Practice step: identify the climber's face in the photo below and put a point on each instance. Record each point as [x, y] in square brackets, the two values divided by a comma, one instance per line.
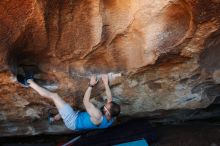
[107, 109]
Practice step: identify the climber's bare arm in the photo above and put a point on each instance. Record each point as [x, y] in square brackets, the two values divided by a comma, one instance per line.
[107, 88]
[93, 111]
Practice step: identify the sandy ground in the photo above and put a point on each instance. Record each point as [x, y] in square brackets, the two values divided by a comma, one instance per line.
[193, 134]
[189, 134]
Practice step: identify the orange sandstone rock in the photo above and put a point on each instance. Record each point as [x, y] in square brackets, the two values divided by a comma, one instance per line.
[161, 48]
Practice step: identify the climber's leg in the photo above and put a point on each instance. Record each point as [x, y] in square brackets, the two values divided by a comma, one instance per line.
[65, 110]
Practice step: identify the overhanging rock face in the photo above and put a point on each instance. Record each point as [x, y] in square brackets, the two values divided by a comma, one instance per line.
[159, 55]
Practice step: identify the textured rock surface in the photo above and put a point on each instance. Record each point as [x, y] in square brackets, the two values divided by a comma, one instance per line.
[166, 51]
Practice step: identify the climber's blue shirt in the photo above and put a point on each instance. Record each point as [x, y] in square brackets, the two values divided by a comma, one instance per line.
[83, 122]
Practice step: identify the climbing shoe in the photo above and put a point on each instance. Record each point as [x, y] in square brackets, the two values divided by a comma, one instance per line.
[24, 75]
[50, 118]
[22, 80]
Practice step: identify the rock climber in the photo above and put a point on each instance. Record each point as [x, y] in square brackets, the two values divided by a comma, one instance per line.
[92, 118]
